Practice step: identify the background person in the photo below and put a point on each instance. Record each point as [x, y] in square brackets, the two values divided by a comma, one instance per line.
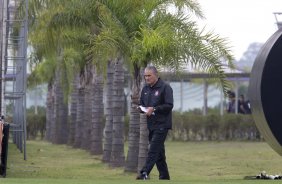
[231, 102]
[243, 105]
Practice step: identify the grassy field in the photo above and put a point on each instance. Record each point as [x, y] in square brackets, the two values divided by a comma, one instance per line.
[189, 162]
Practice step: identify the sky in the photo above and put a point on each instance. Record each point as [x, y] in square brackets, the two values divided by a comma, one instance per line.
[242, 22]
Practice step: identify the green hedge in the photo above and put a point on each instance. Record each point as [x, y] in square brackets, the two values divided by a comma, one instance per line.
[36, 126]
[193, 127]
[188, 126]
[36, 123]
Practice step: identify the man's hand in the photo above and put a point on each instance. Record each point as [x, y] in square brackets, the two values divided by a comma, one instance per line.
[150, 111]
[139, 109]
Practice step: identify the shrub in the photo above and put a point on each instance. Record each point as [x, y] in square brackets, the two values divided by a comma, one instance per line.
[188, 126]
[36, 123]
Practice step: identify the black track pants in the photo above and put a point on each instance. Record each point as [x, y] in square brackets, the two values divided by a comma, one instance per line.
[156, 154]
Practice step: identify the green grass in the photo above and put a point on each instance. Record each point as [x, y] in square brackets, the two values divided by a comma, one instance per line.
[189, 162]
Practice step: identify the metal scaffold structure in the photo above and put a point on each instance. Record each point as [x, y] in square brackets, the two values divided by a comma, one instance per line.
[278, 18]
[13, 68]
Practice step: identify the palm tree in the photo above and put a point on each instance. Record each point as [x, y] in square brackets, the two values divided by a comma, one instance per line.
[49, 113]
[96, 137]
[79, 118]
[143, 144]
[117, 154]
[85, 125]
[134, 127]
[73, 110]
[61, 111]
[108, 130]
[43, 72]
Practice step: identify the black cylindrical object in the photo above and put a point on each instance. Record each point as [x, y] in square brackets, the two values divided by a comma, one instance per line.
[4, 150]
[265, 91]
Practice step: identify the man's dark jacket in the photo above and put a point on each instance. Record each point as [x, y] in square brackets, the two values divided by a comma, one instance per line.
[159, 96]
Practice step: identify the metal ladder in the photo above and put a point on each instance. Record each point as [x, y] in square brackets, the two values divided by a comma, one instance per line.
[13, 68]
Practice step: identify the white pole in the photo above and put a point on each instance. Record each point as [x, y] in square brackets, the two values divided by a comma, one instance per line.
[221, 103]
[181, 95]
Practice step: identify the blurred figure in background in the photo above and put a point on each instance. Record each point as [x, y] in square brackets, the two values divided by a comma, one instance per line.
[243, 106]
[231, 102]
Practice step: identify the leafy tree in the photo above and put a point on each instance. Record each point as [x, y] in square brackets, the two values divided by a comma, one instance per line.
[247, 60]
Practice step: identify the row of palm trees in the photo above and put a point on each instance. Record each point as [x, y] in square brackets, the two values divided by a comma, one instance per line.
[82, 49]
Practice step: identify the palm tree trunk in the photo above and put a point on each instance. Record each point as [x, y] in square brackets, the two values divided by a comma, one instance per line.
[134, 126]
[61, 111]
[108, 131]
[144, 142]
[53, 117]
[50, 121]
[144, 136]
[73, 115]
[86, 124]
[79, 118]
[117, 155]
[97, 115]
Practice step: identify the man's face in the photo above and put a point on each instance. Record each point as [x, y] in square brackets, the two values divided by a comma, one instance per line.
[150, 77]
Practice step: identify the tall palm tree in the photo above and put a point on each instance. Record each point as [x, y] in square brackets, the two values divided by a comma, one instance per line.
[52, 123]
[78, 132]
[44, 72]
[134, 126]
[117, 154]
[143, 143]
[73, 110]
[80, 114]
[61, 111]
[85, 125]
[108, 130]
[49, 113]
[96, 137]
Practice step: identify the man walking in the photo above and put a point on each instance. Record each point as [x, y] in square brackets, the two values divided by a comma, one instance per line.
[157, 100]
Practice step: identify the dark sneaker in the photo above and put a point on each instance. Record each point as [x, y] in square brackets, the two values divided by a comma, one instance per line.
[164, 178]
[164, 175]
[142, 176]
